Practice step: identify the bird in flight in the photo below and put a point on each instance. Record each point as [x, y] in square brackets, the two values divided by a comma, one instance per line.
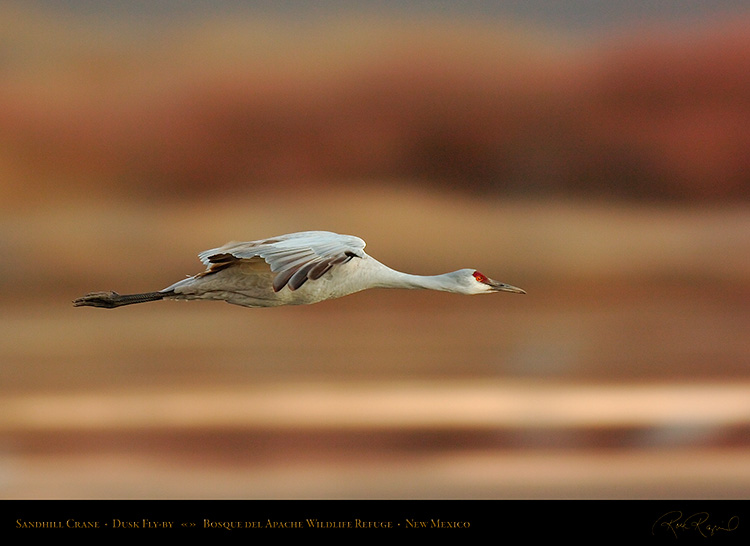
[295, 269]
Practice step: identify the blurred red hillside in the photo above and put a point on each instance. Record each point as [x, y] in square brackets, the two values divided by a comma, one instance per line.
[222, 104]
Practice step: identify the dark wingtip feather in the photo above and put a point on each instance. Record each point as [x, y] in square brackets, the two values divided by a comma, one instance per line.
[280, 280]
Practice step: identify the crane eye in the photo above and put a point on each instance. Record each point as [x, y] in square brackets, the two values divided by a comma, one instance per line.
[480, 277]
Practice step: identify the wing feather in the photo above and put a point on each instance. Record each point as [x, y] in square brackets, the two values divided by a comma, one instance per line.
[295, 258]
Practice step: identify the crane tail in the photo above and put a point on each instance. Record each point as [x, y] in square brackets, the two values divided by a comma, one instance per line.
[110, 300]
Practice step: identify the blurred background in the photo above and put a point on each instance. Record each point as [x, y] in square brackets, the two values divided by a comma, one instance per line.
[595, 153]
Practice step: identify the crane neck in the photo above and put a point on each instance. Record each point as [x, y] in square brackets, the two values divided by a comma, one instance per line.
[390, 278]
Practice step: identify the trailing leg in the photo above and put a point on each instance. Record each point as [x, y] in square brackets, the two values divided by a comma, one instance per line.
[110, 300]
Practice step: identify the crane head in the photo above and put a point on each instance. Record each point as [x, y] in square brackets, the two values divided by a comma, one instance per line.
[479, 283]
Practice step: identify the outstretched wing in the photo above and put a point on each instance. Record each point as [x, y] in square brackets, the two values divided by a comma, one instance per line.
[294, 258]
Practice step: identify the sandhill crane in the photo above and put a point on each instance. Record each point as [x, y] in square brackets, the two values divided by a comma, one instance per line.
[294, 269]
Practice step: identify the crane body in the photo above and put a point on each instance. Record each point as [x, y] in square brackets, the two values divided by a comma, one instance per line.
[295, 269]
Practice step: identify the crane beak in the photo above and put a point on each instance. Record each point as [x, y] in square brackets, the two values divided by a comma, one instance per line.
[502, 287]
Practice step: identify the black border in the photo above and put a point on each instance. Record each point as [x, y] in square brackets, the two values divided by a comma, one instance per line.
[664, 521]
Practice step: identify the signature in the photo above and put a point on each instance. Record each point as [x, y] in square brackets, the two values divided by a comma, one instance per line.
[697, 522]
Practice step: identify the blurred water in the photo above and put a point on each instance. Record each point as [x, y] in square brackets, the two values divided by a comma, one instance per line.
[394, 394]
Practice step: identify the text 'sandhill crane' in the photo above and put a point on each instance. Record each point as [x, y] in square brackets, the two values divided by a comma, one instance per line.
[294, 269]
